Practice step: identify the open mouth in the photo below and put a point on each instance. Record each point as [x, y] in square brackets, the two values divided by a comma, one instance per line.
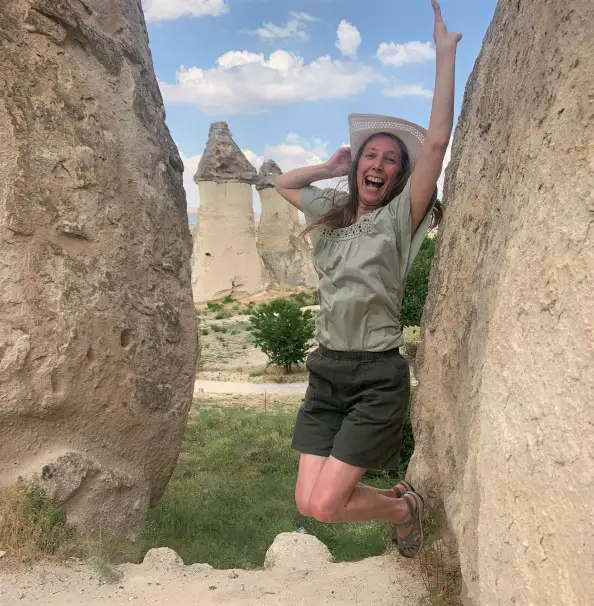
[374, 182]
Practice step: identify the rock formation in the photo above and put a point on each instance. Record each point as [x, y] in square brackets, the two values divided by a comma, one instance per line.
[225, 258]
[503, 414]
[287, 256]
[97, 330]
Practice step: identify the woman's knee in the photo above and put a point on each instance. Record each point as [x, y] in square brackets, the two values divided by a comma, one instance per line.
[324, 508]
[302, 502]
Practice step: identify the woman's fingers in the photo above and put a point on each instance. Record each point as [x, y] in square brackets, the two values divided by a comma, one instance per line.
[436, 9]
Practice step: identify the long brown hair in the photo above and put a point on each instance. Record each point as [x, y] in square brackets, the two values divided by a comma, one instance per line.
[345, 204]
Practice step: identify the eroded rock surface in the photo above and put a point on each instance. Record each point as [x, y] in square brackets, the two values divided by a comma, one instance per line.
[287, 256]
[503, 415]
[225, 259]
[97, 332]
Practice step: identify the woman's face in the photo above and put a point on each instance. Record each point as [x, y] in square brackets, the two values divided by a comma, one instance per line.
[378, 169]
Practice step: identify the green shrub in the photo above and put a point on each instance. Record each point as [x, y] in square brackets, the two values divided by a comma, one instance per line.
[283, 332]
[228, 299]
[417, 285]
[214, 306]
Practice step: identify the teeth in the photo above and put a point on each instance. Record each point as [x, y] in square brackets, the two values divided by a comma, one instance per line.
[375, 180]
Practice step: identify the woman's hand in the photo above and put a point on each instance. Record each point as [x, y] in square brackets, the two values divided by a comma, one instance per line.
[340, 163]
[443, 38]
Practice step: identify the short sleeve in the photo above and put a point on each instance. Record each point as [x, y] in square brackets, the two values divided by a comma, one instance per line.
[315, 202]
[408, 244]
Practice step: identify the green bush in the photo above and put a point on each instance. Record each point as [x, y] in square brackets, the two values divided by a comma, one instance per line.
[283, 332]
[417, 285]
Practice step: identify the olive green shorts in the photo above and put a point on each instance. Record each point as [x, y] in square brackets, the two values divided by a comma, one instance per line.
[355, 407]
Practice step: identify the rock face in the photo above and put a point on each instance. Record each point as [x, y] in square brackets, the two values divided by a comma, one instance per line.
[503, 414]
[98, 338]
[286, 255]
[225, 259]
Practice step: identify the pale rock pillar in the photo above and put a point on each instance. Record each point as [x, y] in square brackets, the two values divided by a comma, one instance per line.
[98, 339]
[225, 259]
[504, 413]
[286, 254]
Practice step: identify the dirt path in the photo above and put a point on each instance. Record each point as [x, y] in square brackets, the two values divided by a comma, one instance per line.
[381, 581]
[237, 388]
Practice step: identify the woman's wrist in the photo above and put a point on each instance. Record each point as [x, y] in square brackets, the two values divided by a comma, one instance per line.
[329, 172]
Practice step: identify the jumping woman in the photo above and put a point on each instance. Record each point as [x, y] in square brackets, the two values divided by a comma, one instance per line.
[364, 243]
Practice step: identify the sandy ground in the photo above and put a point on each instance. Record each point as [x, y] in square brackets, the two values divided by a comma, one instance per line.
[225, 387]
[245, 401]
[381, 581]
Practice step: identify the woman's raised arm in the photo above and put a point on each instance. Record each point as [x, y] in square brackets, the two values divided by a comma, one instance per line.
[429, 166]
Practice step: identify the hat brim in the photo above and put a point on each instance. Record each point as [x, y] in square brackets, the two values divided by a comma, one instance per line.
[363, 126]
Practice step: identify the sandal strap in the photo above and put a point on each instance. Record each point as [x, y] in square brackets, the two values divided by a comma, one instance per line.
[410, 520]
[408, 487]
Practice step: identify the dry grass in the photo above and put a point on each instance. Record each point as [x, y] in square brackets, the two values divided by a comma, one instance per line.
[439, 571]
[32, 526]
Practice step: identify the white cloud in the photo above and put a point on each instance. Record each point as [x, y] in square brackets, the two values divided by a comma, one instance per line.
[244, 82]
[349, 39]
[164, 10]
[190, 167]
[296, 27]
[295, 152]
[396, 55]
[407, 90]
[254, 158]
[446, 161]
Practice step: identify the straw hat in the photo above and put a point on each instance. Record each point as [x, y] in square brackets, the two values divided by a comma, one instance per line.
[362, 126]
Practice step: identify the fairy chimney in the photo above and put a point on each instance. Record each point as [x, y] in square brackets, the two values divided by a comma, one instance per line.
[286, 255]
[225, 259]
[98, 338]
[503, 414]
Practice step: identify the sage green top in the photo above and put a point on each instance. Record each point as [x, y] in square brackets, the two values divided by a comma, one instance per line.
[362, 272]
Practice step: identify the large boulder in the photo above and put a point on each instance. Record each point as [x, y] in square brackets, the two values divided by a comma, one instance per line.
[297, 551]
[286, 254]
[98, 339]
[225, 260]
[503, 413]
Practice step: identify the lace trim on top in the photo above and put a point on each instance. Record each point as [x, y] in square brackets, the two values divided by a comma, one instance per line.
[362, 226]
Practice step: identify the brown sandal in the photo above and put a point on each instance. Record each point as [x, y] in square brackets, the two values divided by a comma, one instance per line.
[410, 546]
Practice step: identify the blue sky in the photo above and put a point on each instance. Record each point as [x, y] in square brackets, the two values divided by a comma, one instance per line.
[284, 74]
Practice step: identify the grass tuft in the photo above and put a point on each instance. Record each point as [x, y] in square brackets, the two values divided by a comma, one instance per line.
[32, 525]
[441, 577]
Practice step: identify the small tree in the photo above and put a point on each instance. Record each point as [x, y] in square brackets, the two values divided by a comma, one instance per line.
[283, 332]
[417, 285]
